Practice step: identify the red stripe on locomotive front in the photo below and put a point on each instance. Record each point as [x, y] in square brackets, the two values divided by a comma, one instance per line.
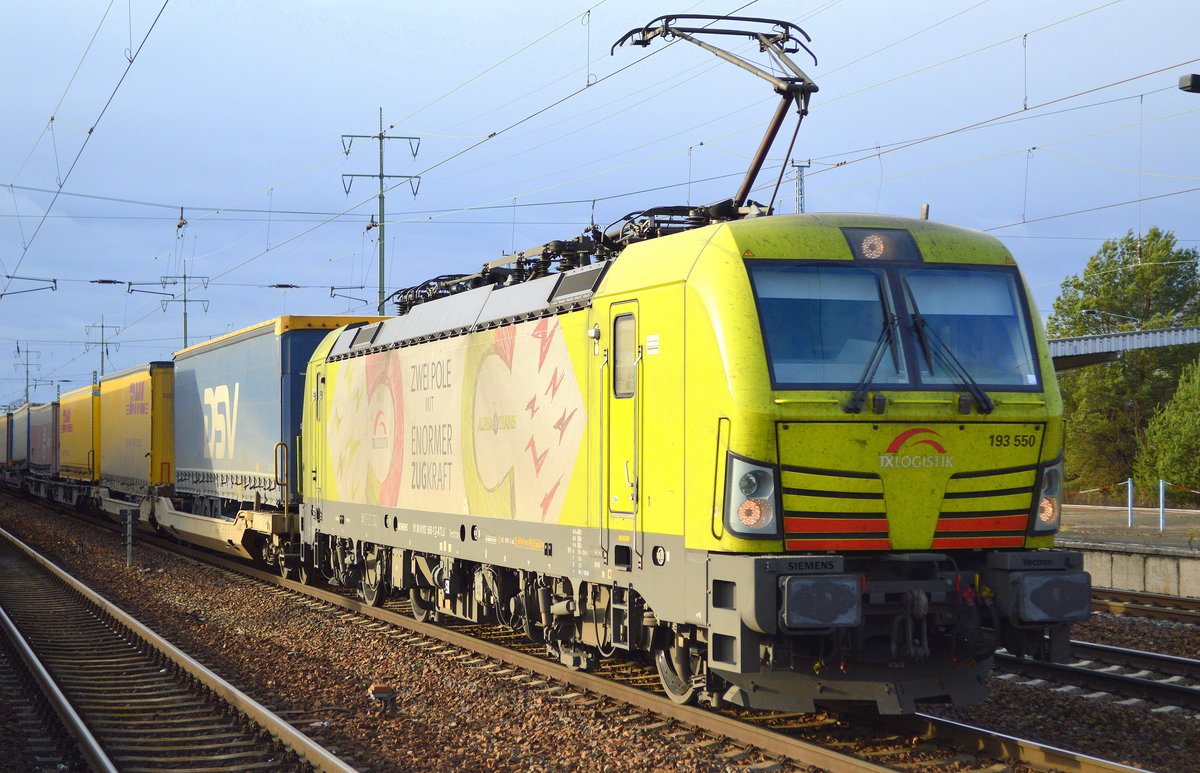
[832, 525]
[950, 543]
[839, 544]
[995, 523]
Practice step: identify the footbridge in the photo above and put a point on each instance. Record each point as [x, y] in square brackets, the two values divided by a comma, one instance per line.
[1079, 351]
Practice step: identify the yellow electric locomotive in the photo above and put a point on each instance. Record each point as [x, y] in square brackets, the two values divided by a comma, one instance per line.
[793, 458]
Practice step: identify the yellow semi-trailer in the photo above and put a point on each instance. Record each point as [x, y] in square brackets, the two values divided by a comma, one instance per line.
[795, 459]
[78, 446]
[79, 434]
[137, 438]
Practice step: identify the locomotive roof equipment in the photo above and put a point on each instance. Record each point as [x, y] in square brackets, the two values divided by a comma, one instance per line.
[777, 40]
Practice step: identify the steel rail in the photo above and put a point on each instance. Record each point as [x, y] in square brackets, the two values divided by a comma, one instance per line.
[91, 750]
[737, 730]
[769, 741]
[1184, 609]
[300, 744]
[1128, 685]
[1166, 664]
[1007, 746]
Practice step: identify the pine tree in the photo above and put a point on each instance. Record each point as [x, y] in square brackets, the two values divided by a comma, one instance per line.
[1130, 283]
[1170, 449]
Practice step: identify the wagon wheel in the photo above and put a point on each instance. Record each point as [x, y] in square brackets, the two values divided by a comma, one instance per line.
[676, 667]
[424, 604]
[287, 572]
[373, 583]
[266, 554]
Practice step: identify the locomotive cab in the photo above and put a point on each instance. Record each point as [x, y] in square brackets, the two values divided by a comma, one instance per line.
[888, 458]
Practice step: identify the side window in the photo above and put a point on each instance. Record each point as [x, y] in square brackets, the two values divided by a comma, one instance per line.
[624, 356]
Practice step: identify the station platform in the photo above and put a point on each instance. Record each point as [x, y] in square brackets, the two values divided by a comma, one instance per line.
[1141, 558]
[1110, 525]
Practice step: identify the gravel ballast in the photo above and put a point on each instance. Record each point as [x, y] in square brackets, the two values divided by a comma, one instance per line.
[316, 669]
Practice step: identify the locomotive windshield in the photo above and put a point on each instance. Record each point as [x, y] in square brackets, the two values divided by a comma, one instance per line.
[822, 323]
[978, 317]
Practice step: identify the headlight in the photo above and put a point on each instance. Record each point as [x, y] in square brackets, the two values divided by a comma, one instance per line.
[753, 482]
[755, 513]
[1048, 506]
[822, 601]
[750, 508]
[1054, 597]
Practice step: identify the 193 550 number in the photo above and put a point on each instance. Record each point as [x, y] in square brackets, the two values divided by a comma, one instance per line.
[1013, 441]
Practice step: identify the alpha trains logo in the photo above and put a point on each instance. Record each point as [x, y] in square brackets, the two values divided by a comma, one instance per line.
[903, 451]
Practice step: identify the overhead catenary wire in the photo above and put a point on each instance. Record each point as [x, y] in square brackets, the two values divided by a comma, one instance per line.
[831, 101]
[131, 55]
[928, 138]
[1097, 208]
[288, 241]
[977, 125]
[66, 90]
[531, 204]
[943, 134]
[1009, 114]
[341, 153]
[830, 159]
[457, 154]
[1043, 147]
[91, 130]
[221, 209]
[516, 53]
[879, 153]
[208, 210]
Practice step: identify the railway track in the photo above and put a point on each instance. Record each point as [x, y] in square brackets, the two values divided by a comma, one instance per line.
[1163, 680]
[33, 735]
[833, 742]
[138, 704]
[630, 692]
[1181, 609]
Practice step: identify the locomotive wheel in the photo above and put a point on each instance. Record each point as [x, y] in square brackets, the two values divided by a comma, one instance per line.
[373, 594]
[532, 631]
[373, 584]
[424, 604]
[675, 668]
[306, 573]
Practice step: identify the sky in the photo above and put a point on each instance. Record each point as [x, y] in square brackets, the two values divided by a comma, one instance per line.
[1052, 126]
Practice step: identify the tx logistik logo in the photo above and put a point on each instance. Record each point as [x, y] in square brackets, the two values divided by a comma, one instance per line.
[918, 436]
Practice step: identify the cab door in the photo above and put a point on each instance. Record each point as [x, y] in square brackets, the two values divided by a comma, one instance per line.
[314, 442]
[622, 398]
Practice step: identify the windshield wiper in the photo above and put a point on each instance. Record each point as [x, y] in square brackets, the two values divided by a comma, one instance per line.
[932, 346]
[886, 336]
